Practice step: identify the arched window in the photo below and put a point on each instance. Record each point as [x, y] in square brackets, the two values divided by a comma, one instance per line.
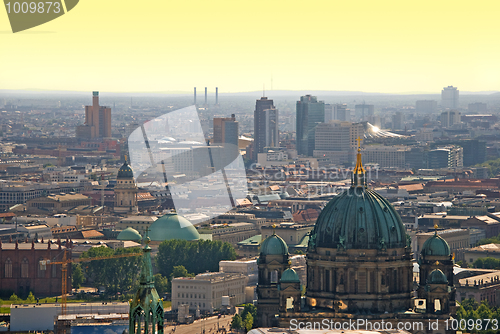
[8, 268]
[42, 266]
[25, 268]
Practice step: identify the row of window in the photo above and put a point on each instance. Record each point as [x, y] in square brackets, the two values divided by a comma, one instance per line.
[25, 269]
[181, 295]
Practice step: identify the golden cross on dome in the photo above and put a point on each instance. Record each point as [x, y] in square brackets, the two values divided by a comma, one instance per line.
[359, 142]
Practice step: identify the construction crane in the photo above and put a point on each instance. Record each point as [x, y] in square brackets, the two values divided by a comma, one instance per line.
[64, 266]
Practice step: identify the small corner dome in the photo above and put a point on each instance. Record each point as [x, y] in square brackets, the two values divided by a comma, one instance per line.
[273, 245]
[129, 234]
[172, 226]
[436, 246]
[289, 276]
[125, 172]
[437, 277]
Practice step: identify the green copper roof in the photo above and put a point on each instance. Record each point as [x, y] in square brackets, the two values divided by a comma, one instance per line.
[437, 277]
[125, 172]
[436, 246]
[173, 226]
[129, 234]
[273, 245]
[289, 276]
[359, 218]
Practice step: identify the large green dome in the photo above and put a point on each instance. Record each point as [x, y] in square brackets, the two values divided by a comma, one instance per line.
[289, 276]
[273, 245]
[436, 246]
[125, 172]
[173, 226]
[129, 234]
[359, 218]
[437, 277]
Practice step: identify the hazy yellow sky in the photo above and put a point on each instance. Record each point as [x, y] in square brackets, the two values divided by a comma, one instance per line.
[238, 45]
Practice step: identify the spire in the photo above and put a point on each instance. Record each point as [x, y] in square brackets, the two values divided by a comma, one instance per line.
[146, 279]
[358, 175]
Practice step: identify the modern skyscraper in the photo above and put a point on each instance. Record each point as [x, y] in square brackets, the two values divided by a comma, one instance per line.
[337, 112]
[449, 118]
[336, 141]
[310, 112]
[449, 97]
[266, 131]
[226, 133]
[97, 121]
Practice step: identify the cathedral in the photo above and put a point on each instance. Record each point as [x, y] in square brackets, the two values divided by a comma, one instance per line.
[125, 191]
[359, 272]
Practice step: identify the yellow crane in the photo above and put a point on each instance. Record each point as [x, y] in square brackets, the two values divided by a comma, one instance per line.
[64, 267]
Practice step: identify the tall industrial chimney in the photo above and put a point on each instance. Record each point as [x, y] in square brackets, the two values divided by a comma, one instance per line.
[216, 96]
[194, 95]
[206, 97]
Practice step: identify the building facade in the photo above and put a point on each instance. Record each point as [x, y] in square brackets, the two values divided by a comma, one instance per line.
[449, 97]
[97, 121]
[266, 132]
[310, 112]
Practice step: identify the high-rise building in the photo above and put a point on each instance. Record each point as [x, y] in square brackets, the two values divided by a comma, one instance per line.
[226, 133]
[266, 133]
[474, 151]
[477, 107]
[337, 112]
[449, 118]
[336, 141]
[446, 157]
[310, 112]
[363, 111]
[449, 97]
[97, 121]
[426, 106]
[398, 121]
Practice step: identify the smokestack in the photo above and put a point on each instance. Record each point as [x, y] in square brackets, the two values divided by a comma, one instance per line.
[216, 96]
[194, 95]
[206, 97]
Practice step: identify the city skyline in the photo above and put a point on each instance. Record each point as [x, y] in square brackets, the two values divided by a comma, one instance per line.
[386, 47]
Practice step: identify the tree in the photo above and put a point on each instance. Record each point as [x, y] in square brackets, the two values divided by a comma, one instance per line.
[14, 298]
[161, 284]
[236, 322]
[248, 322]
[77, 275]
[114, 274]
[249, 309]
[196, 256]
[31, 298]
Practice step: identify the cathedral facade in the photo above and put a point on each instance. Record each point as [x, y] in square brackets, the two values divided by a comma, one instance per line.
[358, 269]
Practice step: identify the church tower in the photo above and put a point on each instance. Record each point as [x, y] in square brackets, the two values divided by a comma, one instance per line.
[272, 263]
[125, 191]
[146, 313]
[436, 276]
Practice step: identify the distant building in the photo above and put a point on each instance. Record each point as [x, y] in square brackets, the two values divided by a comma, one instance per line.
[426, 106]
[398, 121]
[226, 134]
[97, 121]
[386, 156]
[363, 111]
[205, 291]
[57, 203]
[446, 157]
[337, 112]
[450, 118]
[23, 271]
[477, 107]
[125, 191]
[474, 151]
[336, 141]
[449, 97]
[310, 113]
[266, 131]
